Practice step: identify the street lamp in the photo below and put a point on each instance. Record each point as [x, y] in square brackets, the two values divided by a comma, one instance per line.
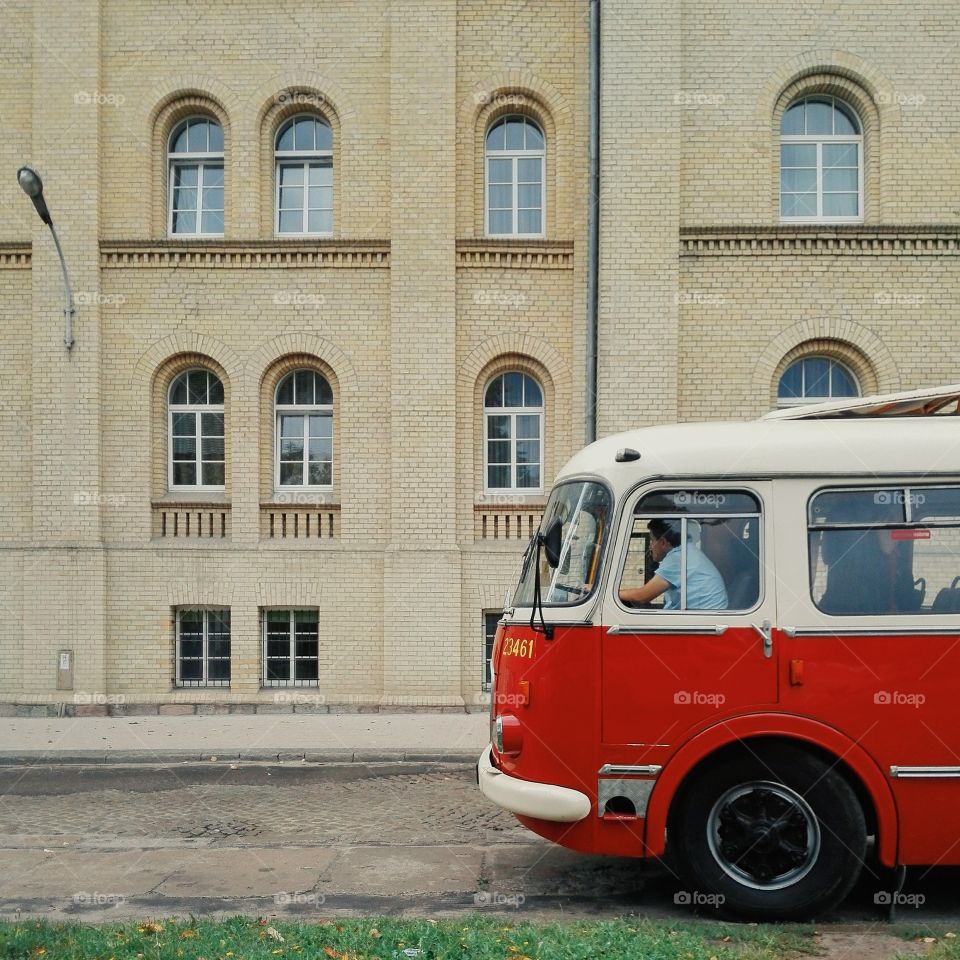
[32, 186]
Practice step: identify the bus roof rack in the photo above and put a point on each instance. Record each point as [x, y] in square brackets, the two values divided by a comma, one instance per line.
[928, 402]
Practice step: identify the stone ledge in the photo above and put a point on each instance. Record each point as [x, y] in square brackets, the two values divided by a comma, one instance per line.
[329, 756]
[245, 254]
[820, 239]
[206, 708]
[536, 254]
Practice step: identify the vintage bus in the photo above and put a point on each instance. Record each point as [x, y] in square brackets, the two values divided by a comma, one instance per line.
[788, 710]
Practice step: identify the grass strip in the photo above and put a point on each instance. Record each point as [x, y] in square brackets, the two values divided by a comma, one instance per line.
[477, 938]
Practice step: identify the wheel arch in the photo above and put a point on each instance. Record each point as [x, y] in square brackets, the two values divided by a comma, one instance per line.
[712, 745]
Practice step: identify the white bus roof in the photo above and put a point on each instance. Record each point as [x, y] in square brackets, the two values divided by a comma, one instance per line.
[880, 436]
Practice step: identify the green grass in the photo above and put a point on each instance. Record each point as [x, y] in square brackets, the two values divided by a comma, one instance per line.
[477, 938]
[947, 946]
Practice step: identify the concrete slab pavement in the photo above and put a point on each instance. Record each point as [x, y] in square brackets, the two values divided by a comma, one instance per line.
[316, 738]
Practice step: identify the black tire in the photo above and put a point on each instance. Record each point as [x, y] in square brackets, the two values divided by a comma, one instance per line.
[770, 833]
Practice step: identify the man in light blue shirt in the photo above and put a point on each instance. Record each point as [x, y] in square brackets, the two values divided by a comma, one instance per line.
[705, 589]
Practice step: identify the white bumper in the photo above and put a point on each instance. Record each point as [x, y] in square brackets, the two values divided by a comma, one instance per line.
[544, 801]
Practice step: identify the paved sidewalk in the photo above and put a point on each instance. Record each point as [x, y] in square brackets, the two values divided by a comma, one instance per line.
[316, 738]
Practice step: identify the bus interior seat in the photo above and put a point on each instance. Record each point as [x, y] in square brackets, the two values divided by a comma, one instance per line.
[947, 600]
[731, 545]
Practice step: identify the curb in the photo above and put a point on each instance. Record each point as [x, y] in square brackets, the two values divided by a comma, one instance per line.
[10, 758]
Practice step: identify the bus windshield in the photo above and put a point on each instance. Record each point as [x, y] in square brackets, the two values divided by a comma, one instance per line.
[584, 509]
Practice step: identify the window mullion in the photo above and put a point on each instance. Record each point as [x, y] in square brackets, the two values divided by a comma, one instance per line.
[293, 661]
[304, 213]
[204, 647]
[198, 452]
[513, 452]
[516, 195]
[305, 456]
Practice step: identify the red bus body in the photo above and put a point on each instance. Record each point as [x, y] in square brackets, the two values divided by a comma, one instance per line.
[614, 704]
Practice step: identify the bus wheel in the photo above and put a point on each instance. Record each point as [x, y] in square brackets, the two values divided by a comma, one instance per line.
[775, 834]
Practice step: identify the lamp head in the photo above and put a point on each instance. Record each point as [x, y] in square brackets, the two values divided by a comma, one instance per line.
[32, 186]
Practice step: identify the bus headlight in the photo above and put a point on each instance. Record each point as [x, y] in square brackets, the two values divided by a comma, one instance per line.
[507, 735]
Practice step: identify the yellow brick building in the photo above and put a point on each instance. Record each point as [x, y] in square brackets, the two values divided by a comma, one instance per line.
[368, 223]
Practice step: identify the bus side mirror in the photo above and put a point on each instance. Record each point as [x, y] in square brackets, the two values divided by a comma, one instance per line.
[551, 539]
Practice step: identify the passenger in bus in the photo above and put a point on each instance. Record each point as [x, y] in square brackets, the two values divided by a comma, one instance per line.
[705, 589]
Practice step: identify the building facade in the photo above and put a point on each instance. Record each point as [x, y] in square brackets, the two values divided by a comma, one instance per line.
[331, 307]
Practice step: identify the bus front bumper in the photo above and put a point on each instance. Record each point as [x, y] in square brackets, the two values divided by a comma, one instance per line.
[542, 801]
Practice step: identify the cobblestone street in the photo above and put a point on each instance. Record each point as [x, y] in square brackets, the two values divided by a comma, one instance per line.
[299, 839]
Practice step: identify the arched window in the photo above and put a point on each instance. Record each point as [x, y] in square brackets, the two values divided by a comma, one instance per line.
[304, 411]
[821, 161]
[196, 178]
[196, 431]
[515, 155]
[304, 177]
[513, 418]
[814, 379]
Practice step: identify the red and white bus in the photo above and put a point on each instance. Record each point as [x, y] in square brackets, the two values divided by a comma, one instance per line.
[769, 736]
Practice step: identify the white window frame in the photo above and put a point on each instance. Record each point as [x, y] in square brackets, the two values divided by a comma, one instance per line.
[205, 659]
[804, 400]
[200, 159]
[303, 159]
[301, 410]
[819, 140]
[486, 668]
[292, 640]
[199, 409]
[513, 413]
[515, 156]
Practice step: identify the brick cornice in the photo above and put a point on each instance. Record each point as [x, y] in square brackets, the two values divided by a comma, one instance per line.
[538, 254]
[818, 239]
[14, 256]
[245, 253]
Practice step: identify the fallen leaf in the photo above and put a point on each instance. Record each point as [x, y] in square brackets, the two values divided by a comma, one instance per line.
[375, 933]
[187, 934]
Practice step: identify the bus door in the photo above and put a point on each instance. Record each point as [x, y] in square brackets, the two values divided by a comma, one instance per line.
[704, 648]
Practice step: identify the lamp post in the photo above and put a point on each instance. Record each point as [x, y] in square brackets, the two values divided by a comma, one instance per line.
[32, 186]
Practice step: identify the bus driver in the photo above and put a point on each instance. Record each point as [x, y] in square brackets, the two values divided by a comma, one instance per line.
[705, 589]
